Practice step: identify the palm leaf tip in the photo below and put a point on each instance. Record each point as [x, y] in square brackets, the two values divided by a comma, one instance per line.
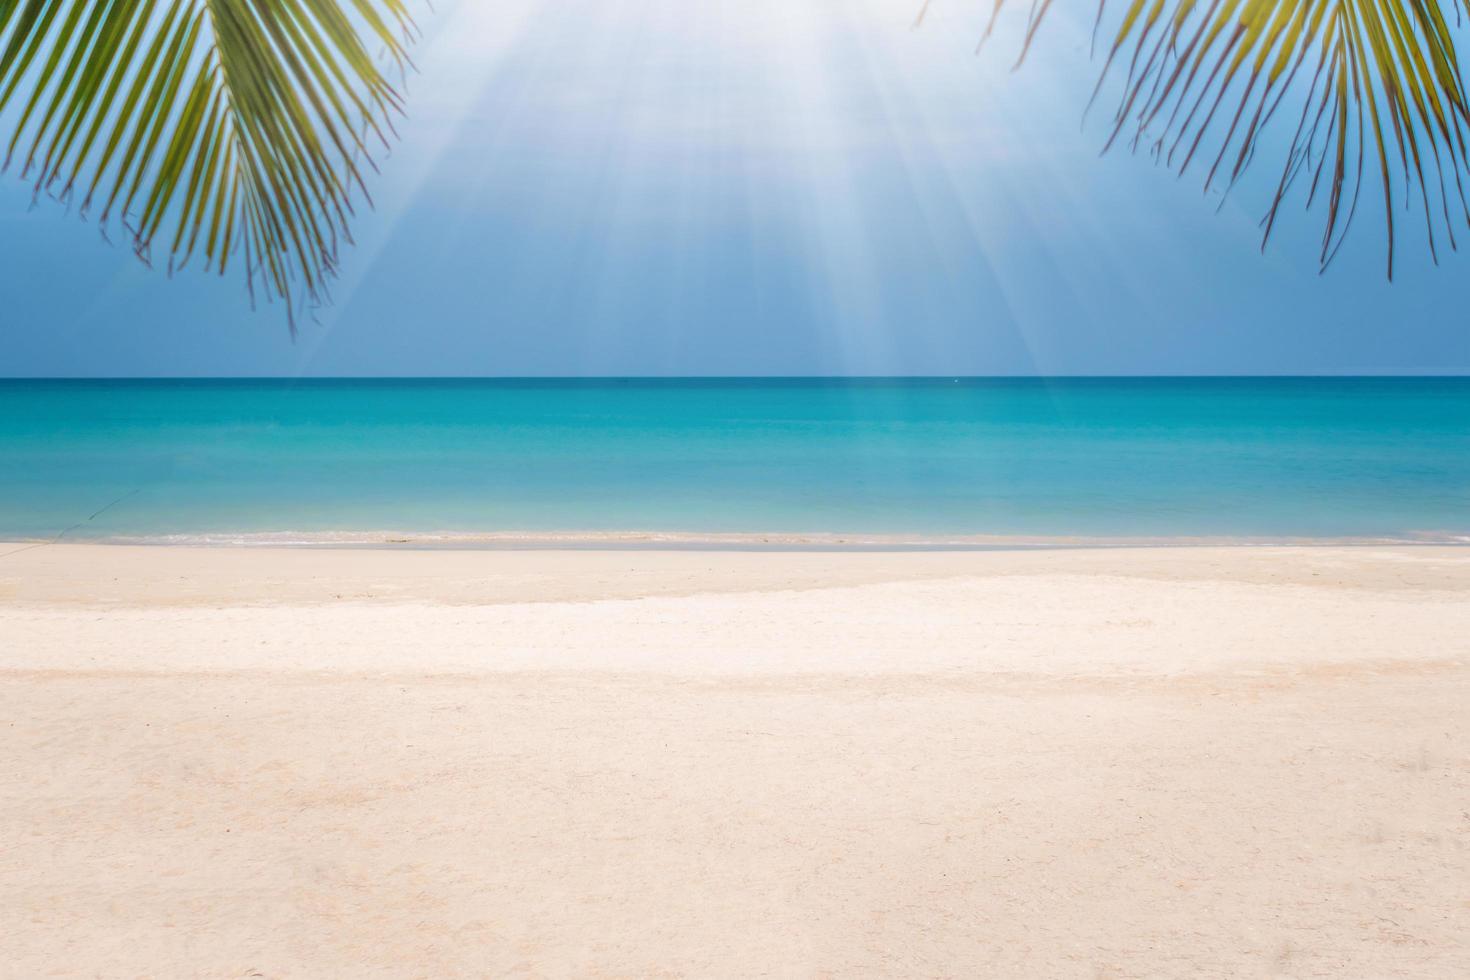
[1356, 88]
[233, 129]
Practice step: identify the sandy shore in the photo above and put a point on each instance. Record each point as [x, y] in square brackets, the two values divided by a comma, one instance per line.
[1092, 763]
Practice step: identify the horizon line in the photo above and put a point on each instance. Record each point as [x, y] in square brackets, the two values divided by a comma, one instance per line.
[747, 377]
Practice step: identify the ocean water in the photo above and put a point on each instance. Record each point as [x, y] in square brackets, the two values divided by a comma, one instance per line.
[930, 459]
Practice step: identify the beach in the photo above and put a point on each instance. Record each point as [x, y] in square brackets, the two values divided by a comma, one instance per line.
[1092, 762]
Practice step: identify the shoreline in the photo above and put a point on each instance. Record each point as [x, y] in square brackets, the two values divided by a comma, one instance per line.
[640, 540]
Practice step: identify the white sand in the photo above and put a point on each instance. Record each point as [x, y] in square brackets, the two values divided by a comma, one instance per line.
[1162, 762]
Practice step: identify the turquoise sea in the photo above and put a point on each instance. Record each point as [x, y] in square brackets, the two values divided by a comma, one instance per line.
[927, 459]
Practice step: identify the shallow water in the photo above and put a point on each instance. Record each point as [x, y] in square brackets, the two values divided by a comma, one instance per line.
[1024, 458]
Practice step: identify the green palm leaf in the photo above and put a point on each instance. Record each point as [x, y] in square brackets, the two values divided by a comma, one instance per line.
[1366, 86]
[236, 129]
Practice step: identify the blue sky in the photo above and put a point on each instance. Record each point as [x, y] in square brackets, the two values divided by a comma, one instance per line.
[766, 187]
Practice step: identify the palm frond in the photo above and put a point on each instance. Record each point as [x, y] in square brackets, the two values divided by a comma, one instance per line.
[233, 129]
[1367, 86]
